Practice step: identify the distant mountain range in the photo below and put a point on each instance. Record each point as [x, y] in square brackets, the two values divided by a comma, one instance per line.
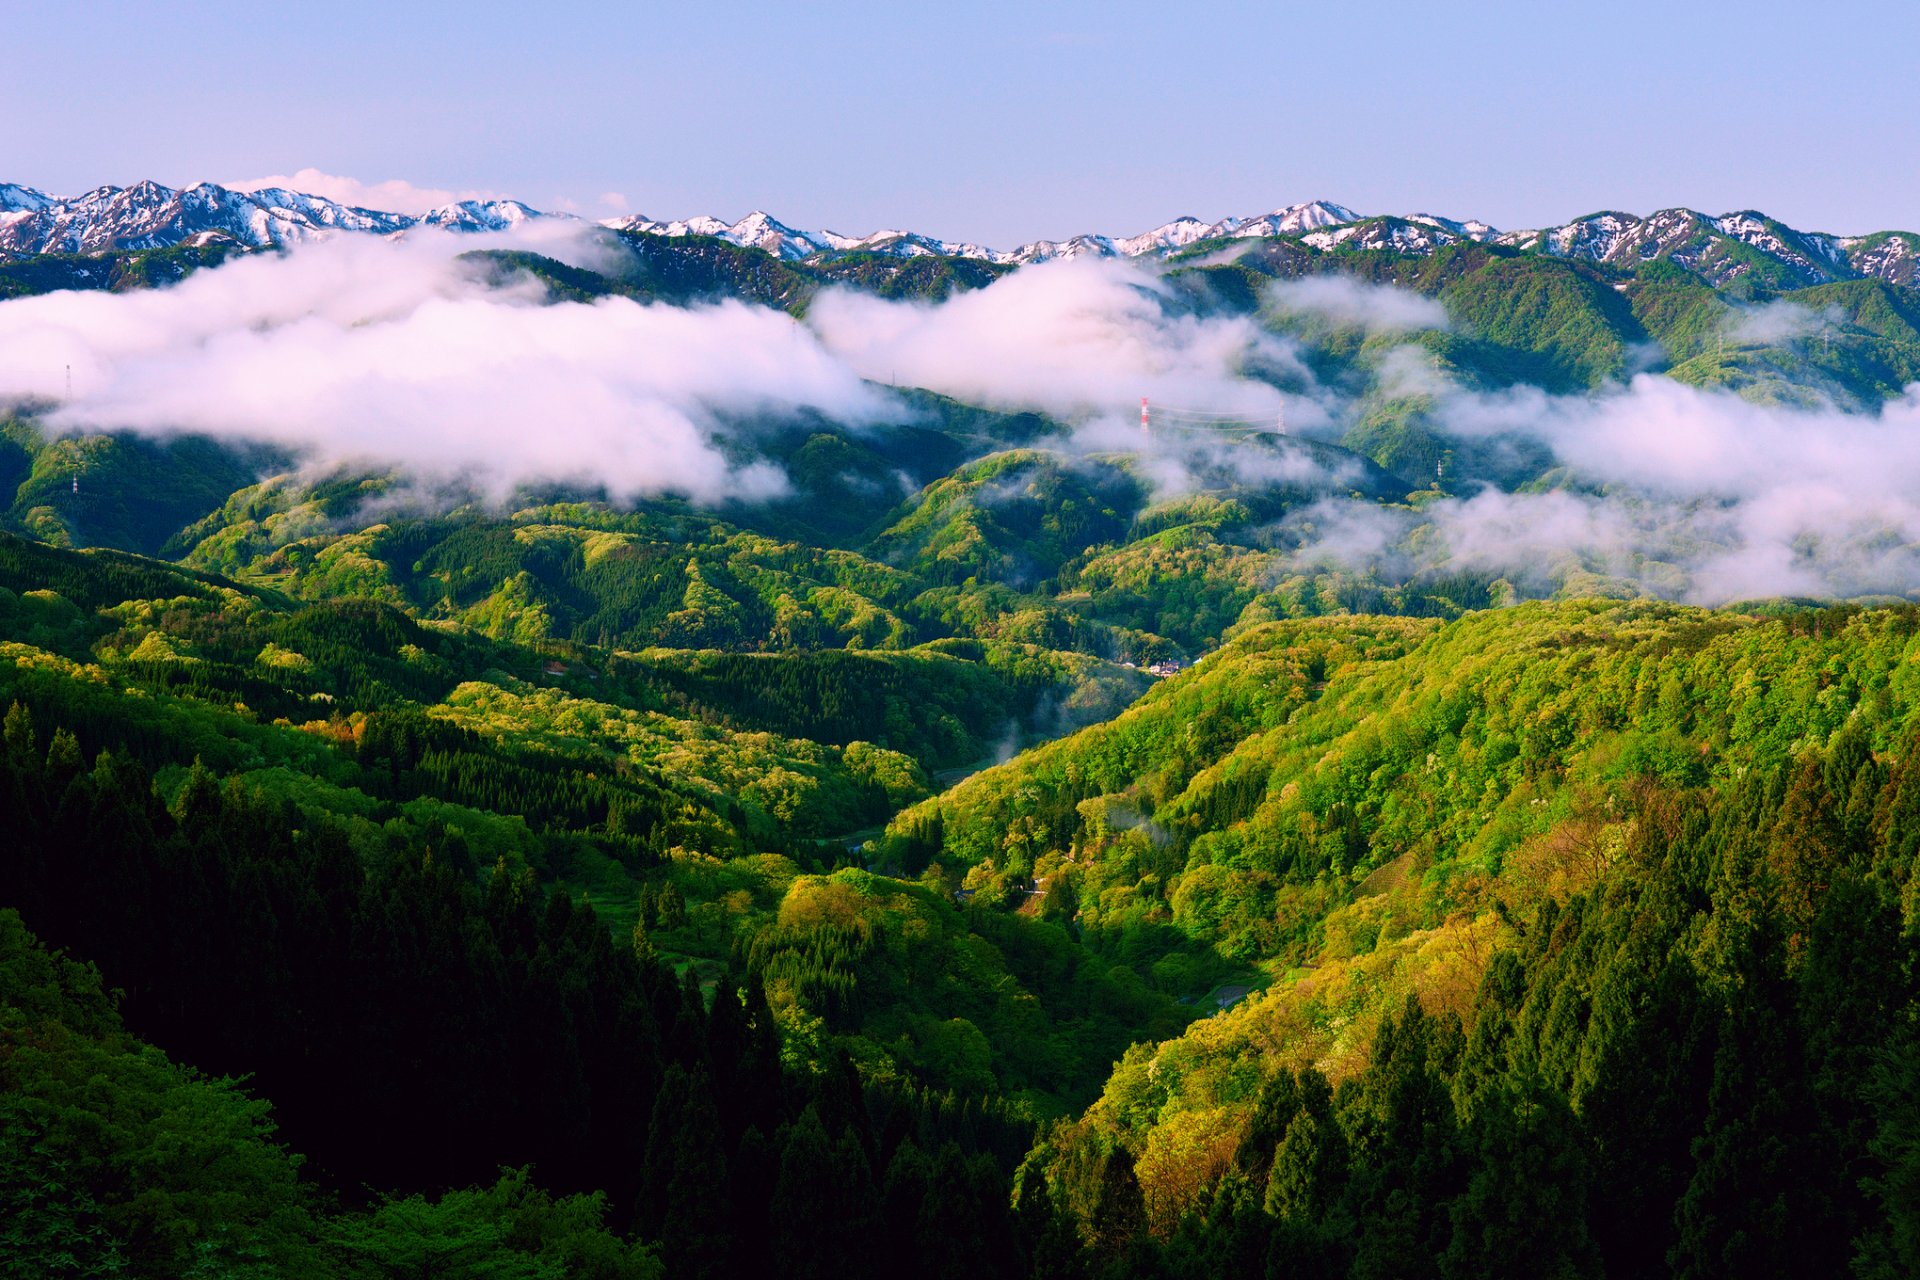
[1721, 250]
[148, 215]
[762, 231]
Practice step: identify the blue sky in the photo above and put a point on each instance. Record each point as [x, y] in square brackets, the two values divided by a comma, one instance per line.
[994, 122]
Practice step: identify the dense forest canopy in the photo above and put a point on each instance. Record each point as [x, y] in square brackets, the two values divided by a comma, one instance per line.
[1411, 835]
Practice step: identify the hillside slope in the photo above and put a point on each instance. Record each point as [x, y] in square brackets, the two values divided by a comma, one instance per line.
[1512, 881]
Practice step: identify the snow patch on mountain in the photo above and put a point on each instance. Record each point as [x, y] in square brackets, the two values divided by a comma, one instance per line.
[18, 199]
[1167, 237]
[758, 230]
[1471, 229]
[1087, 246]
[1893, 256]
[1397, 235]
[483, 215]
[1295, 219]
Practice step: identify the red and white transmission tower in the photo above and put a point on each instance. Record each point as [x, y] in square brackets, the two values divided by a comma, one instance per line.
[1145, 430]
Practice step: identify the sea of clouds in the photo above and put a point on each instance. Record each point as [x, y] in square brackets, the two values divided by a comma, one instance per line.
[399, 353]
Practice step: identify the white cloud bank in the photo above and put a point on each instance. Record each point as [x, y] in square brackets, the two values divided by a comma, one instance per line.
[1686, 492]
[1081, 340]
[363, 350]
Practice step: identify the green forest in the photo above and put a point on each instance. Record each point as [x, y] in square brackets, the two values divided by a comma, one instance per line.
[974, 861]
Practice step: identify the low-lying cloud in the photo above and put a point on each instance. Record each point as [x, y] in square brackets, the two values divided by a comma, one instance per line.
[1347, 302]
[1077, 339]
[368, 351]
[1780, 321]
[1675, 490]
[362, 351]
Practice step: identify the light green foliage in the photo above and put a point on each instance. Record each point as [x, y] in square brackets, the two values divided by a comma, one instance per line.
[1011, 517]
[1570, 321]
[1433, 795]
[1245, 802]
[915, 986]
[797, 785]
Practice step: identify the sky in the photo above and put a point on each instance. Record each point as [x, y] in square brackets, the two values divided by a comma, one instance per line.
[993, 122]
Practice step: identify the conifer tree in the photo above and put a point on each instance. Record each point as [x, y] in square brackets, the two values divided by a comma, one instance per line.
[1524, 1210]
[1758, 1203]
[1119, 1210]
[683, 1196]
[1048, 1240]
[807, 1228]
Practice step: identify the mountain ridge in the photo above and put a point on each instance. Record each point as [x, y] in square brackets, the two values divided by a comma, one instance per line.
[1747, 246]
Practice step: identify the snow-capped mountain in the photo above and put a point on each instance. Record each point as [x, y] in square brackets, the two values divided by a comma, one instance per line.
[1083, 246]
[1472, 229]
[1291, 220]
[1725, 248]
[482, 215]
[1295, 219]
[909, 244]
[759, 230]
[18, 199]
[1890, 255]
[1168, 237]
[1421, 235]
[1720, 249]
[148, 215]
[19, 203]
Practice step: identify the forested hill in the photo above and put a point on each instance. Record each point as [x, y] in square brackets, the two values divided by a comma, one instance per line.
[1584, 936]
[400, 877]
[1604, 910]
